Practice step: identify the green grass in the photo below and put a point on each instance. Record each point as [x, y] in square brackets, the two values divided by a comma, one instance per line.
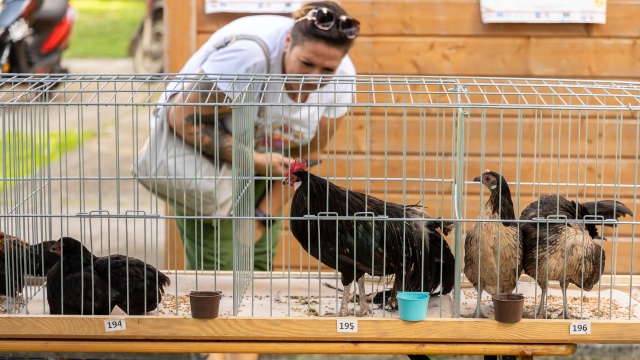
[103, 28]
[25, 152]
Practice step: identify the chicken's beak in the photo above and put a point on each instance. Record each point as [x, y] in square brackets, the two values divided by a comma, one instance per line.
[477, 178]
[285, 181]
[55, 248]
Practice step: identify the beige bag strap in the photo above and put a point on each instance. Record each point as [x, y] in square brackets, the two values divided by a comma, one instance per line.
[265, 49]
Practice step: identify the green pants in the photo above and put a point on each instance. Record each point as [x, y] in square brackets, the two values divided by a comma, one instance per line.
[210, 247]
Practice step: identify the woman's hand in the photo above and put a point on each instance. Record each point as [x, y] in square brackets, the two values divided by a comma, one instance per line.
[278, 164]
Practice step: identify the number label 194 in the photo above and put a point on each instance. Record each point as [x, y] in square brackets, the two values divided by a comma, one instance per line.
[347, 325]
[580, 328]
[115, 325]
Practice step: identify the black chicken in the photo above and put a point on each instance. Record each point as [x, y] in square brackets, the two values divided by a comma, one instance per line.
[565, 252]
[493, 249]
[21, 259]
[42, 258]
[143, 296]
[414, 251]
[84, 279]
[84, 291]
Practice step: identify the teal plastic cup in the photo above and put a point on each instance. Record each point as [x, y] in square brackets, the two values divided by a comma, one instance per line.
[412, 306]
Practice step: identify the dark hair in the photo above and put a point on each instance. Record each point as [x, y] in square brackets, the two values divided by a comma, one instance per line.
[305, 30]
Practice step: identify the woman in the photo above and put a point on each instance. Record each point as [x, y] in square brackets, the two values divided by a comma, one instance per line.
[314, 44]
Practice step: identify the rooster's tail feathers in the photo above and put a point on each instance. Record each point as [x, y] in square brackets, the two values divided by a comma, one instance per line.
[163, 280]
[606, 208]
[442, 265]
[439, 225]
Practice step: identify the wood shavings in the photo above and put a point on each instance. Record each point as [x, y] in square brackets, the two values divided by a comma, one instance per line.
[168, 305]
[604, 305]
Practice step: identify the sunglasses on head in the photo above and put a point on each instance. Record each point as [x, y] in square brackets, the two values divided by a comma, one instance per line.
[324, 19]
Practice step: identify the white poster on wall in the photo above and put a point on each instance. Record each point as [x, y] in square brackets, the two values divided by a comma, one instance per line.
[252, 6]
[544, 11]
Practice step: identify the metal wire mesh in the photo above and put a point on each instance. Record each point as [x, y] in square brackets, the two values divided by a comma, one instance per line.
[69, 142]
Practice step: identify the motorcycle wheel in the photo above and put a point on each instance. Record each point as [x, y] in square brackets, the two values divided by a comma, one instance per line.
[149, 57]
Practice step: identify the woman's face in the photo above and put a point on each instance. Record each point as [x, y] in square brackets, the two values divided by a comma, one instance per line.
[312, 58]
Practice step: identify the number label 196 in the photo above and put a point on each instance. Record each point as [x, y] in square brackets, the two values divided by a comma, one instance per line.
[580, 328]
[347, 325]
[115, 325]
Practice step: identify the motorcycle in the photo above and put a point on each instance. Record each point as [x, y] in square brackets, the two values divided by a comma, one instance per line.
[147, 45]
[33, 35]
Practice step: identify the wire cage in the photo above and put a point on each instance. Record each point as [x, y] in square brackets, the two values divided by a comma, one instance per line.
[69, 143]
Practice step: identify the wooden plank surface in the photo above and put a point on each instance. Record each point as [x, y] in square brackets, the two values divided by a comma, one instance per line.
[448, 38]
[576, 176]
[500, 56]
[602, 58]
[442, 18]
[462, 17]
[316, 329]
[562, 136]
[620, 15]
[180, 34]
[284, 347]
[174, 246]
[454, 18]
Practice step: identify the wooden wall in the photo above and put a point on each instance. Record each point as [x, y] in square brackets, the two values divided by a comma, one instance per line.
[430, 37]
[447, 37]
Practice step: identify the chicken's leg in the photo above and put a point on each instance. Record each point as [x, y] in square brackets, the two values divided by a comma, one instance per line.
[344, 307]
[478, 313]
[542, 309]
[565, 314]
[365, 309]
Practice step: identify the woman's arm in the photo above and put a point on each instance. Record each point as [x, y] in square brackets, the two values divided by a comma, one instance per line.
[272, 203]
[197, 124]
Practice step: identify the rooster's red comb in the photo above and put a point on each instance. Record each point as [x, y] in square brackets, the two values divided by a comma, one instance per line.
[298, 165]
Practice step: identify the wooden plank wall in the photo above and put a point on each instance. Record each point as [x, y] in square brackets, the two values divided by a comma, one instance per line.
[433, 37]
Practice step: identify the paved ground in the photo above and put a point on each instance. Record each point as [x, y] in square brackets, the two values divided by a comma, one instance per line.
[99, 66]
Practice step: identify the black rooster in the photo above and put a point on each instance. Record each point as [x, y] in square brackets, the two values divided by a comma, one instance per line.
[565, 252]
[493, 249]
[414, 251]
[84, 279]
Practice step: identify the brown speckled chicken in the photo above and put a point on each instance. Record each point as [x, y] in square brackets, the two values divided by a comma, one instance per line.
[493, 249]
[17, 259]
[547, 245]
[14, 259]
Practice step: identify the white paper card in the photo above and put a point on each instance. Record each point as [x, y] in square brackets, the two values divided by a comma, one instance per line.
[580, 328]
[347, 325]
[544, 11]
[115, 325]
[252, 6]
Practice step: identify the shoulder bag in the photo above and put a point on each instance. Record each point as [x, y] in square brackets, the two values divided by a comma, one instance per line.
[185, 178]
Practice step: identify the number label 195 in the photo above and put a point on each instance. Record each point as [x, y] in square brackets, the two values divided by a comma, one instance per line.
[580, 328]
[115, 325]
[347, 325]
